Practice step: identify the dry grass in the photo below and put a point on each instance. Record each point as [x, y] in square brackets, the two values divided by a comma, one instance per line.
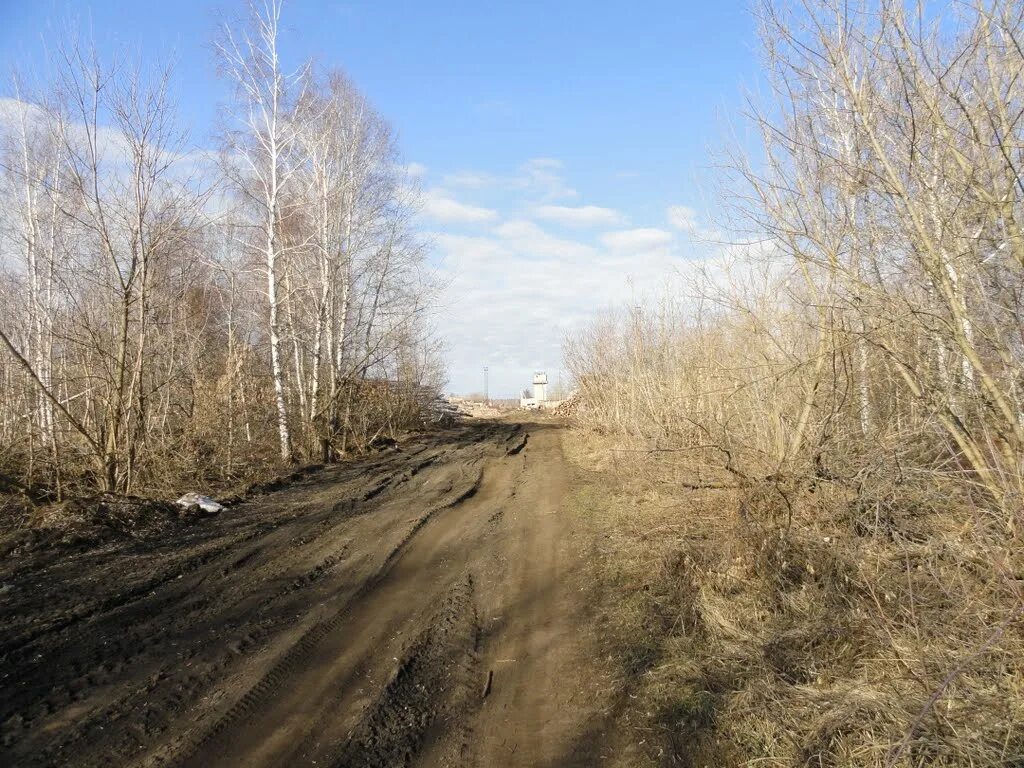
[808, 624]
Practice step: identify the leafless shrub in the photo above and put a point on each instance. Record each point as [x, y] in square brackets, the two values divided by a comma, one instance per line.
[831, 421]
[167, 316]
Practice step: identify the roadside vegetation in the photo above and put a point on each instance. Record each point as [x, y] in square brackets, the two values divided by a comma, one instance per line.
[172, 316]
[811, 458]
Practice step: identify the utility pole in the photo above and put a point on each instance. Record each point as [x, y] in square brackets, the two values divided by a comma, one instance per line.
[487, 395]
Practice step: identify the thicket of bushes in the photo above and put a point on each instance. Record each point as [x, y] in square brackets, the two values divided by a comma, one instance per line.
[172, 315]
[820, 441]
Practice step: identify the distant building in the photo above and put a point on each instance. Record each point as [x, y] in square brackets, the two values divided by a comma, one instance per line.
[539, 401]
[540, 387]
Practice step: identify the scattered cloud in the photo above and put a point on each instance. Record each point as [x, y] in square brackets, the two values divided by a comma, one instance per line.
[686, 220]
[637, 240]
[416, 170]
[540, 180]
[532, 241]
[543, 176]
[472, 179]
[514, 294]
[579, 216]
[439, 206]
[538, 265]
[13, 110]
[111, 143]
[474, 251]
[682, 217]
[186, 166]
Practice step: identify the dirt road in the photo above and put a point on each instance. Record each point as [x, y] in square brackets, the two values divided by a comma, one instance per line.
[422, 607]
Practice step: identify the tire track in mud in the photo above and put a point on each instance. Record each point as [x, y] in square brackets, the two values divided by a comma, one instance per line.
[91, 618]
[287, 663]
[434, 679]
[89, 636]
[273, 641]
[125, 599]
[251, 635]
[131, 644]
[157, 697]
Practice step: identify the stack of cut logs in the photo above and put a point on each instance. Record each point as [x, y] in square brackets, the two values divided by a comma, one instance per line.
[570, 406]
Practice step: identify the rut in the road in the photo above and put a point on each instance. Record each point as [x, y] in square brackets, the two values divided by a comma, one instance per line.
[435, 680]
[266, 693]
[349, 619]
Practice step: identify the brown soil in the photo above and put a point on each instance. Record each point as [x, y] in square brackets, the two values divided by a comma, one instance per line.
[421, 607]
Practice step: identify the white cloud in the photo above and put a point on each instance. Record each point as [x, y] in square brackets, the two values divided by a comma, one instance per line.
[111, 143]
[12, 111]
[682, 217]
[513, 295]
[539, 179]
[473, 252]
[579, 216]
[186, 167]
[686, 220]
[416, 170]
[543, 176]
[514, 289]
[472, 179]
[530, 240]
[636, 240]
[439, 206]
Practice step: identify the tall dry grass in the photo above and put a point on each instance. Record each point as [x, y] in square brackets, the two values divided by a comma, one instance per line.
[819, 443]
[805, 623]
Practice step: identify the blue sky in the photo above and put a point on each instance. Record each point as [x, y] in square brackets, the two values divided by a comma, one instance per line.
[563, 147]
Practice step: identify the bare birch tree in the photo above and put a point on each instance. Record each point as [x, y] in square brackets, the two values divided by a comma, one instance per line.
[259, 158]
[132, 352]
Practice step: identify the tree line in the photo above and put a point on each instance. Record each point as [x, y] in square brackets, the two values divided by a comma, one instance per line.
[170, 314]
[872, 298]
[820, 435]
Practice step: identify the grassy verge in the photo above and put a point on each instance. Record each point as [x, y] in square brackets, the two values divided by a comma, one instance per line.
[807, 624]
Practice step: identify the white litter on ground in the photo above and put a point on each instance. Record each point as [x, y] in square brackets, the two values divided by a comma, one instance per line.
[205, 503]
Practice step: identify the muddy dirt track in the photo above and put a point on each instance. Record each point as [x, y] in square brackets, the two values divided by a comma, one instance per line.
[420, 607]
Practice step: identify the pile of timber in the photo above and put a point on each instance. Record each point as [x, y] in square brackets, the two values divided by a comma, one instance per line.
[570, 406]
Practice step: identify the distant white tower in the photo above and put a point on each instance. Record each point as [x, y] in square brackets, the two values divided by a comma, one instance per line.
[540, 387]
